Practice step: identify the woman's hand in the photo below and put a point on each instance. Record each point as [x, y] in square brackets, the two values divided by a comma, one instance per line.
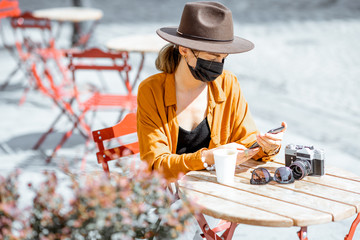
[271, 143]
[243, 155]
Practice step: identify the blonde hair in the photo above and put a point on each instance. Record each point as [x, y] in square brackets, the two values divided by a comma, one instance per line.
[168, 58]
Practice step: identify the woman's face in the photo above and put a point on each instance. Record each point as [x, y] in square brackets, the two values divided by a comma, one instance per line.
[215, 57]
[192, 55]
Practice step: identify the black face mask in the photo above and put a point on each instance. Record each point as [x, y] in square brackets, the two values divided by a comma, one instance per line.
[206, 71]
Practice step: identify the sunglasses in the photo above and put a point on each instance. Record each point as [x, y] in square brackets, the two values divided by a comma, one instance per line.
[262, 176]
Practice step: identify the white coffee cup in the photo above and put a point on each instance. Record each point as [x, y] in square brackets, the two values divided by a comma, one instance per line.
[225, 162]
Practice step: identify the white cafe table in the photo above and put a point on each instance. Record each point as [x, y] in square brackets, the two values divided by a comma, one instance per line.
[143, 43]
[137, 43]
[312, 200]
[70, 14]
[73, 15]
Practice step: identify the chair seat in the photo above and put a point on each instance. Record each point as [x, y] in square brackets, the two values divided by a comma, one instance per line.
[117, 152]
[99, 100]
[51, 52]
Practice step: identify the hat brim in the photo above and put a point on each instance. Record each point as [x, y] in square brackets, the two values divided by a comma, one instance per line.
[237, 45]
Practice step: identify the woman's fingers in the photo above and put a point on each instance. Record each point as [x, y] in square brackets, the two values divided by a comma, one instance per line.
[275, 137]
[269, 144]
[246, 154]
[264, 139]
[271, 140]
[285, 126]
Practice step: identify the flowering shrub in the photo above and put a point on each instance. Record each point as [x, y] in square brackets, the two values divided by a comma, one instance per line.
[124, 206]
[9, 212]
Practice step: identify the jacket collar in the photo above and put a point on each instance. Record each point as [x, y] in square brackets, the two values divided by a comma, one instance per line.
[216, 93]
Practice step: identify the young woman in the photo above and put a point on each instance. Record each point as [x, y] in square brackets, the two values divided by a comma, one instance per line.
[194, 106]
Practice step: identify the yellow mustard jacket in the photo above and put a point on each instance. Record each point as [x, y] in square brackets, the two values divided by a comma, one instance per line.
[228, 116]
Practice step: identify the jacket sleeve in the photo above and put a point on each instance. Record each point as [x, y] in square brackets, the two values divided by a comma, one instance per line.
[154, 134]
[244, 128]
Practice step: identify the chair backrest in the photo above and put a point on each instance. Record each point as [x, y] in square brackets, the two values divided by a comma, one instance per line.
[28, 20]
[79, 60]
[99, 54]
[9, 8]
[125, 127]
[31, 32]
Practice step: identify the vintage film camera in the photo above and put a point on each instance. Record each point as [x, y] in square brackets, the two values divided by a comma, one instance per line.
[304, 160]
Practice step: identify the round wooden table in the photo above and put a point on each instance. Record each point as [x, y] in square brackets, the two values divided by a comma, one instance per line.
[143, 43]
[70, 14]
[74, 15]
[312, 200]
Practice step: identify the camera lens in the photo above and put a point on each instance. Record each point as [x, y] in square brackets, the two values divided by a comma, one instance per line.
[300, 168]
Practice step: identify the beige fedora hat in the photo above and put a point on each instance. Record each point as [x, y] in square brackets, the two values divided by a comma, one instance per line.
[206, 26]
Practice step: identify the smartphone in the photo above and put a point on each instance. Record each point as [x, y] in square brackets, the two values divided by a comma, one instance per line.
[274, 131]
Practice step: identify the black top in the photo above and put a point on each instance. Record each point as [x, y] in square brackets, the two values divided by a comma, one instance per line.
[191, 141]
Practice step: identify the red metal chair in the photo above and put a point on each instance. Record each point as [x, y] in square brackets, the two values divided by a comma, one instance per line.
[24, 45]
[122, 129]
[100, 99]
[75, 107]
[34, 43]
[77, 59]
